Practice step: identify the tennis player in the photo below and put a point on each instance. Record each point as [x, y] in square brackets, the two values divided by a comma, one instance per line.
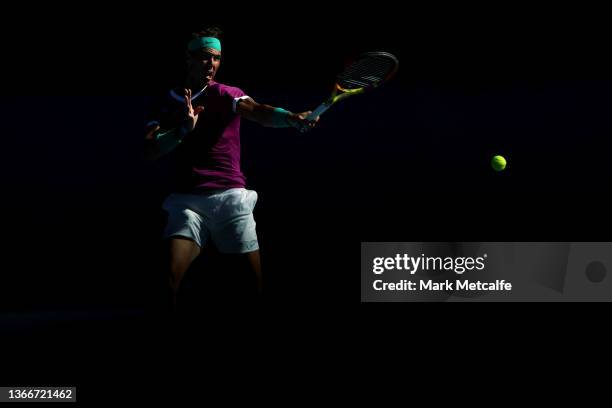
[200, 124]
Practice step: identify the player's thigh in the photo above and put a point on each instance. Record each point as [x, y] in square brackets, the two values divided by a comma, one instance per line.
[181, 252]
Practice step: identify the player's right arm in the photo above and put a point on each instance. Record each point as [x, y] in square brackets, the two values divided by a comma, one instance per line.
[270, 116]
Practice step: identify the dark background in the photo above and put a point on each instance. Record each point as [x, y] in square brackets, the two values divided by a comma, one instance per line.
[409, 162]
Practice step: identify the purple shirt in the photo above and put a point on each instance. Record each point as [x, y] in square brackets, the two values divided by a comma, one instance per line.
[208, 158]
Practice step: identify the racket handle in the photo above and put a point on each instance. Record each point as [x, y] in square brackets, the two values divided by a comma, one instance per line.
[318, 112]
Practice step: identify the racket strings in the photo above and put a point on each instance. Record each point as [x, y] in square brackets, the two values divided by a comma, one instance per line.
[366, 72]
[375, 70]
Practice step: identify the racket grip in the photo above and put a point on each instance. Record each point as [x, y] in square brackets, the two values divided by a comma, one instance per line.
[318, 112]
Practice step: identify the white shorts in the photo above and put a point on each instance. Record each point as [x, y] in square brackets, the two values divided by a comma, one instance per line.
[225, 216]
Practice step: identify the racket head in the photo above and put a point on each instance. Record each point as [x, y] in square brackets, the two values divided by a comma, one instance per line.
[368, 71]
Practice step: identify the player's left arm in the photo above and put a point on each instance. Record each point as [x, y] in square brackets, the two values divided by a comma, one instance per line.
[270, 116]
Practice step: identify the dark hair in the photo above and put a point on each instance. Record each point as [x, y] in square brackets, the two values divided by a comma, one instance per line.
[209, 31]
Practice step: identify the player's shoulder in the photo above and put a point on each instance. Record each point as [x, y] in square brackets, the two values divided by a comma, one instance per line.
[224, 89]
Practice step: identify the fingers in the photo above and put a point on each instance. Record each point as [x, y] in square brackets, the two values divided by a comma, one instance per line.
[188, 100]
[310, 122]
[306, 114]
[302, 122]
[198, 109]
[306, 125]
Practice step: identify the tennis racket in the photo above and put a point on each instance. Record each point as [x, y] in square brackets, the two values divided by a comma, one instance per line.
[368, 71]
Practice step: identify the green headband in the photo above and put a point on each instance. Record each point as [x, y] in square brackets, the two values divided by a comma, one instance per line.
[204, 42]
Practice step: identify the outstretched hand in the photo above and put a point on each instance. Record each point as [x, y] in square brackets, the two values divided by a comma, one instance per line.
[191, 112]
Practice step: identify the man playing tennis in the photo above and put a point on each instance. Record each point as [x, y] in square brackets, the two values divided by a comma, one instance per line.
[200, 124]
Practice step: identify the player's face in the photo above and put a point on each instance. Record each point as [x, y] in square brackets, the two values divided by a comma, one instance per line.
[203, 64]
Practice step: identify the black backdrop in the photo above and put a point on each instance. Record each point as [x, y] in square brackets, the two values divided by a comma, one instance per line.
[409, 162]
[80, 211]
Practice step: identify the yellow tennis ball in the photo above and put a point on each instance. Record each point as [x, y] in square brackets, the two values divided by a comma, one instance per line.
[498, 163]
